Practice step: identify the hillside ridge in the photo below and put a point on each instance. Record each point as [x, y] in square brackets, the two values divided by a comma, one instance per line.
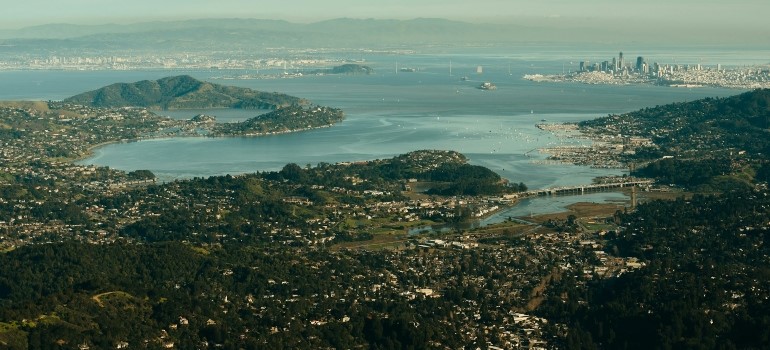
[182, 92]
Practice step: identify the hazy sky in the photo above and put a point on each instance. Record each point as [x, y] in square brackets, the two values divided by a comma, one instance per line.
[33, 12]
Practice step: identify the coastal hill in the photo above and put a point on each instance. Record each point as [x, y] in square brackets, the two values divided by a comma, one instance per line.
[182, 92]
[711, 143]
[692, 128]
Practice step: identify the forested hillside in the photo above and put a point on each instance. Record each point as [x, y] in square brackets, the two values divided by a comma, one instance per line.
[712, 144]
[182, 92]
[705, 286]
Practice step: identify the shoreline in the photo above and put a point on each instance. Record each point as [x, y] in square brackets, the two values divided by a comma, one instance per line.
[599, 154]
[90, 150]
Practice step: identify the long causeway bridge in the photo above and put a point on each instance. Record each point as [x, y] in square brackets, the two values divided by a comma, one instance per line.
[582, 189]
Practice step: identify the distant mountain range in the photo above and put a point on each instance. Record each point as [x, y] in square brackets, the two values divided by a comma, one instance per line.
[395, 30]
[182, 92]
[256, 34]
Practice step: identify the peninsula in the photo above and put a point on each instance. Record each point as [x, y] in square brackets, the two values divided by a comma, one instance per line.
[711, 144]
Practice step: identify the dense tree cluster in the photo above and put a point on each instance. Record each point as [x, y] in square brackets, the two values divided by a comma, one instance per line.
[704, 175]
[465, 179]
[141, 175]
[705, 286]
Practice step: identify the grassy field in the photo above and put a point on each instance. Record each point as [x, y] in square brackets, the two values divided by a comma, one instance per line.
[378, 241]
[11, 337]
[503, 228]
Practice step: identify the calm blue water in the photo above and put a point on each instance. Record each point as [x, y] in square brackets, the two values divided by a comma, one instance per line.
[388, 113]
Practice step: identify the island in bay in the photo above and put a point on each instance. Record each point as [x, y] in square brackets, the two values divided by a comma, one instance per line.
[287, 113]
[182, 92]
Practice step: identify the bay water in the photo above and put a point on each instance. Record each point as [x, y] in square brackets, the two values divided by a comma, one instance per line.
[387, 113]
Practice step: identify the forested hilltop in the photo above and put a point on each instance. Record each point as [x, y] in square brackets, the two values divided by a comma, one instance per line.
[710, 144]
[182, 92]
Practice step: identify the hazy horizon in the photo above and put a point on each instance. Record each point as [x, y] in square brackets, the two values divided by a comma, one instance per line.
[745, 14]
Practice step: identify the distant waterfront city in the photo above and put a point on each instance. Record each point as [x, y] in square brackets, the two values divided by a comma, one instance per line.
[134, 62]
[620, 71]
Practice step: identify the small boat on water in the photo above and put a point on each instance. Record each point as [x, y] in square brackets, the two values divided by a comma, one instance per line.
[487, 86]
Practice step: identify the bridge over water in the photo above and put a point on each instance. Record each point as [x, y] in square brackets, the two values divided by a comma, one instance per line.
[582, 189]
